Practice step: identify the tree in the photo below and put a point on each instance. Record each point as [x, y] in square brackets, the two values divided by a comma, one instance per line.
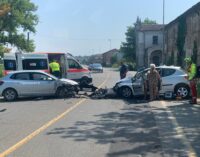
[129, 47]
[148, 21]
[195, 52]
[17, 19]
[4, 9]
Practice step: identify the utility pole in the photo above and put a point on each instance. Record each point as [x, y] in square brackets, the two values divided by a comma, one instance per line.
[163, 47]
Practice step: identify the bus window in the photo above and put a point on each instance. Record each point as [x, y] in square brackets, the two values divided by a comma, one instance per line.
[9, 64]
[35, 64]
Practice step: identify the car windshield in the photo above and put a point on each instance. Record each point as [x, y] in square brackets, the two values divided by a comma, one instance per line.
[97, 65]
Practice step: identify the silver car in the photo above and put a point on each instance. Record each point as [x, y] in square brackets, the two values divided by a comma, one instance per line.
[173, 80]
[96, 67]
[32, 83]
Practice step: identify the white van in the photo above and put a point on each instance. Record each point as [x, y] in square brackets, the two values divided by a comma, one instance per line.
[70, 67]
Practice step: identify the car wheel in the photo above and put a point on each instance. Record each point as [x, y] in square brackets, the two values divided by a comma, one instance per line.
[10, 94]
[84, 81]
[125, 92]
[61, 92]
[182, 90]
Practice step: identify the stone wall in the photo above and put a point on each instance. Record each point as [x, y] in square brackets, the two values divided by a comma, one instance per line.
[192, 21]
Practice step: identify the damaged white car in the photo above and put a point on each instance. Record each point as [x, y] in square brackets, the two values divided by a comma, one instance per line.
[173, 80]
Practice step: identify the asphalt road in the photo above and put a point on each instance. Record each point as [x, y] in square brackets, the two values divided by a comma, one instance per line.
[82, 127]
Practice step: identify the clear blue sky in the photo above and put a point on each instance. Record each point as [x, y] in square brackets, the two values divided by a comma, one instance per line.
[85, 27]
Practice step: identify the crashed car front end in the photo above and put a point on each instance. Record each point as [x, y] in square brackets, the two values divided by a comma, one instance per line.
[72, 86]
[124, 82]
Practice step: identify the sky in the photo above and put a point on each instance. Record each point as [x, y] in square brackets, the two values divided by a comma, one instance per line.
[87, 27]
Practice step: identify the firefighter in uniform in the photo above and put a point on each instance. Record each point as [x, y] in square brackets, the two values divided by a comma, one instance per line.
[55, 68]
[191, 70]
[153, 79]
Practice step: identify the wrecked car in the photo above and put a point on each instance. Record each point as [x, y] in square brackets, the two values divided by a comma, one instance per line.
[33, 83]
[173, 80]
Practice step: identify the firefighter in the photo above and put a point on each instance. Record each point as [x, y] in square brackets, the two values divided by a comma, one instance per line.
[55, 68]
[191, 70]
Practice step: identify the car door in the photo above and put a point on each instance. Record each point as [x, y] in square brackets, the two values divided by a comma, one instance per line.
[22, 83]
[44, 84]
[167, 79]
[138, 82]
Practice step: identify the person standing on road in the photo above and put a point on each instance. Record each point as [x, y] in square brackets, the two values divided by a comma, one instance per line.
[55, 68]
[123, 70]
[153, 79]
[191, 70]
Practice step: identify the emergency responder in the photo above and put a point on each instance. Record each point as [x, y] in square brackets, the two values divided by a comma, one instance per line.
[55, 68]
[123, 70]
[153, 78]
[191, 70]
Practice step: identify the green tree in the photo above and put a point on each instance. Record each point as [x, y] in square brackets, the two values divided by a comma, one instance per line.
[128, 48]
[180, 42]
[17, 19]
[114, 59]
[195, 52]
[148, 21]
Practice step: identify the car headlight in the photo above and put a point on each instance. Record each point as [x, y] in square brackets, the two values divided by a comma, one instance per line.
[116, 86]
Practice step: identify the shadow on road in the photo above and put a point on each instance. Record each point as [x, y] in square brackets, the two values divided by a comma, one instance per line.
[188, 118]
[132, 130]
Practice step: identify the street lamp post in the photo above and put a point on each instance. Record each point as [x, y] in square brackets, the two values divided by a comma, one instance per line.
[163, 47]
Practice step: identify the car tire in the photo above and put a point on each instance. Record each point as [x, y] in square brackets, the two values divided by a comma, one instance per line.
[84, 81]
[61, 92]
[10, 94]
[182, 90]
[125, 92]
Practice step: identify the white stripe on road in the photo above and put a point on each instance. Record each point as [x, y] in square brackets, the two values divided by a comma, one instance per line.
[191, 152]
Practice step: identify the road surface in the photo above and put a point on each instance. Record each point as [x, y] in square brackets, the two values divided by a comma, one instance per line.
[82, 127]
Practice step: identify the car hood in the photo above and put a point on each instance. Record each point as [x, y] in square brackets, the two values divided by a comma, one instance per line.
[67, 81]
[127, 79]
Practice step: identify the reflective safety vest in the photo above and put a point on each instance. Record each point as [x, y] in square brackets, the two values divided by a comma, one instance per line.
[192, 71]
[54, 66]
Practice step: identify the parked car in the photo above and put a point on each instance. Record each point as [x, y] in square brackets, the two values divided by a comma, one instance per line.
[33, 83]
[173, 80]
[97, 67]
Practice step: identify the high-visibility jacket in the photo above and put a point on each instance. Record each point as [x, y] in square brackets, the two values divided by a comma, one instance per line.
[54, 66]
[192, 71]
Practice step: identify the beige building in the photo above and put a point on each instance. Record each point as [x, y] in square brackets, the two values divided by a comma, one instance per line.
[149, 44]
